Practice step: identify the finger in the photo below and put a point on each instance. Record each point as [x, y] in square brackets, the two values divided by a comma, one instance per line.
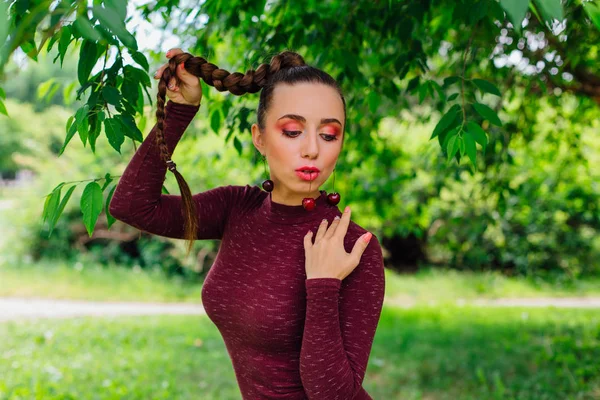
[173, 52]
[342, 228]
[173, 85]
[159, 71]
[360, 245]
[333, 227]
[307, 242]
[321, 231]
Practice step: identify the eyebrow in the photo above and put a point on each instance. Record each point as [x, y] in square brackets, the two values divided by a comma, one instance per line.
[302, 119]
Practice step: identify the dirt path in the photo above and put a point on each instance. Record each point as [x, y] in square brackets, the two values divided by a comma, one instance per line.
[21, 308]
[13, 308]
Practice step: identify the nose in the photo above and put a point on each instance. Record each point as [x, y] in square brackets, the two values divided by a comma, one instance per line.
[310, 145]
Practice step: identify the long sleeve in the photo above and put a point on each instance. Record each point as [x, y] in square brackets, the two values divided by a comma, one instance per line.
[138, 199]
[341, 320]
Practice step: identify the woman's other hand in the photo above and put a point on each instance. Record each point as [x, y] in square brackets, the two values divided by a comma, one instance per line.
[327, 257]
[189, 91]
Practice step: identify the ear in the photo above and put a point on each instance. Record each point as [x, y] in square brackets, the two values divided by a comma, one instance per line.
[258, 138]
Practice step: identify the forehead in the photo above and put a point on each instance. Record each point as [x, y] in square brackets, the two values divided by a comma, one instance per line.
[313, 101]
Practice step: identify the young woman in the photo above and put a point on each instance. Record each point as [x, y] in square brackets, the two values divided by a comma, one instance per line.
[297, 288]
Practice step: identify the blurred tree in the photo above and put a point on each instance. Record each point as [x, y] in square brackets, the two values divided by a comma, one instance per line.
[460, 57]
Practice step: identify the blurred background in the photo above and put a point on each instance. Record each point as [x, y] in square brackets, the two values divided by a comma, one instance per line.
[473, 153]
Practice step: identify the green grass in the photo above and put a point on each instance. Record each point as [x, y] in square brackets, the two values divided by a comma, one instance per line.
[51, 279]
[58, 280]
[422, 353]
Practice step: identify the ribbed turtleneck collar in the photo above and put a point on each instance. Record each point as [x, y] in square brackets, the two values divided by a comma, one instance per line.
[285, 214]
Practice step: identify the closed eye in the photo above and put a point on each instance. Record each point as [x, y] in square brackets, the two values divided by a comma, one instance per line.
[293, 134]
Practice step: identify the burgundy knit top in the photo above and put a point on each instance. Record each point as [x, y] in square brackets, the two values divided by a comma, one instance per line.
[288, 337]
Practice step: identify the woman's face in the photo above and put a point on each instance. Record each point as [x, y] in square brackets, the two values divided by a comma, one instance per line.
[303, 127]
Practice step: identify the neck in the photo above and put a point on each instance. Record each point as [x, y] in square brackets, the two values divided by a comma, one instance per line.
[290, 198]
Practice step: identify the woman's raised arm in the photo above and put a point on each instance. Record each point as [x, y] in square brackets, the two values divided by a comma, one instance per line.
[138, 199]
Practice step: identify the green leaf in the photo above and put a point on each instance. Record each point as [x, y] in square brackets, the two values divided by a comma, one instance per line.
[30, 49]
[2, 93]
[114, 133]
[215, 120]
[373, 99]
[83, 123]
[95, 125]
[412, 84]
[422, 92]
[3, 108]
[83, 26]
[445, 121]
[56, 215]
[450, 81]
[516, 10]
[68, 92]
[88, 56]
[130, 128]
[111, 95]
[452, 97]
[550, 9]
[71, 128]
[137, 74]
[91, 205]
[164, 190]
[452, 146]
[238, 145]
[438, 89]
[487, 87]
[470, 147]
[140, 58]
[593, 11]
[51, 204]
[109, 218]
[487, 113]
[478, 134]
[119, 6]
[111, 20]
[43, 88]
[4, 21]
[63, 44]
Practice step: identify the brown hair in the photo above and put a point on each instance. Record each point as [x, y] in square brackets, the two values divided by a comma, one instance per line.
[286, 67]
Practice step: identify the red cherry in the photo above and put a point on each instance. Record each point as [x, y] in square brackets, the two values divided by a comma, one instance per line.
[308, 203]
[333, 198]
[268, 185]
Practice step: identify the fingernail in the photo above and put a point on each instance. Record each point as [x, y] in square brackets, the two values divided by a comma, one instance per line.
[324, 220]
[347, 209]
[337, 217]
[368, 237]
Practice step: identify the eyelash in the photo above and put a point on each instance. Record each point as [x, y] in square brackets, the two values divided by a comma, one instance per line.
[287, 133]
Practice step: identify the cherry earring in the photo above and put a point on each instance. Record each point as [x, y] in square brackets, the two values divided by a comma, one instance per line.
[267, 184]
[333, 198]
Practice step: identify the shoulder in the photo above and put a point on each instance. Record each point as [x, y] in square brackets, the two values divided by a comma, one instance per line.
[372, 257]
[368, 277]
[247, 197]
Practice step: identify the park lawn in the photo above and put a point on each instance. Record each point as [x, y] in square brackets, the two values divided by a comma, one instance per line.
[431, 353]
[60, 280]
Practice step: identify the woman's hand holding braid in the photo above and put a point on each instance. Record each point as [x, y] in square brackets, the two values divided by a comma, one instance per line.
[189, 91]
[327, 258]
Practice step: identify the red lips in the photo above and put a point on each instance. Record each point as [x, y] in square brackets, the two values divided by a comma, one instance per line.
[308, 168]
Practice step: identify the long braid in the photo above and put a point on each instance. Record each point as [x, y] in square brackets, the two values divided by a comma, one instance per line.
[236, 83]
